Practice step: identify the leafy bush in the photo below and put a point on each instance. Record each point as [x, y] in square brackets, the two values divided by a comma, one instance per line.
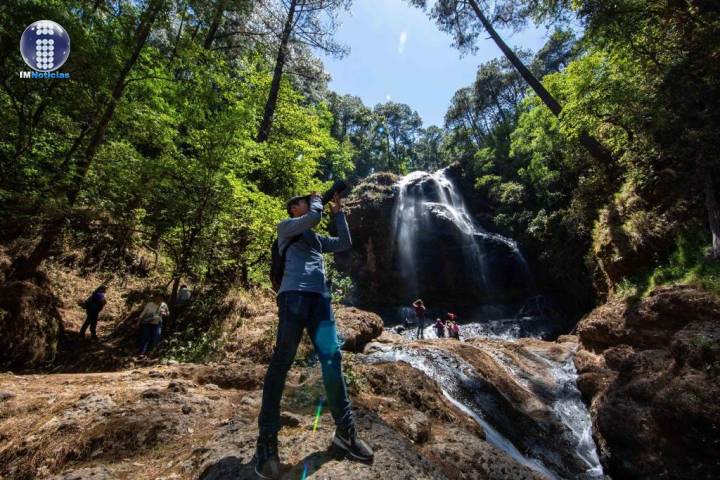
[688, 264]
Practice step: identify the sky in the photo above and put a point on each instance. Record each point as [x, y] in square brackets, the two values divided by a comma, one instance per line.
[397, 53]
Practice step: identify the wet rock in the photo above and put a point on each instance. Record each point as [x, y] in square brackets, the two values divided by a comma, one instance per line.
[444, 276]
[412, 404]
[516, 386]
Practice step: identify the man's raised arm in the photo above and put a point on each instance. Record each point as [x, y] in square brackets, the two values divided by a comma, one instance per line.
[297, 225]
[342, 242]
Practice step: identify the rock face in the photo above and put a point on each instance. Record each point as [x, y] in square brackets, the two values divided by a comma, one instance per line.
[30, 324]
[371, 263]
[452, 263]
[637, 226]
[411, 403]
[650, 371]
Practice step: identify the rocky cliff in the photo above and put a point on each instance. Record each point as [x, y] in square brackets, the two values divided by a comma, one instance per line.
[452, 262]
[649, 370]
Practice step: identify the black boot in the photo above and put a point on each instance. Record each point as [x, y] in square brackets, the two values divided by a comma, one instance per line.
[267, 462]
[347, 439]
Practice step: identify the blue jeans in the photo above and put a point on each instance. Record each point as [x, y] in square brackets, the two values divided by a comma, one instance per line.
[420, 327]
[297, 311]
[149, 337]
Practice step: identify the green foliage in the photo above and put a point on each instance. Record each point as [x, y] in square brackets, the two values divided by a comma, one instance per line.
[179, 166]
[638, 81]
[354, 379]
[341, 286]
[193, 344]
[388, 137]
[688, 264]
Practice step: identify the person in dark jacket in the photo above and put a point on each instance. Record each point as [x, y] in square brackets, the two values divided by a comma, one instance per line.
[419, 308]
[304, 303]
[93, 306]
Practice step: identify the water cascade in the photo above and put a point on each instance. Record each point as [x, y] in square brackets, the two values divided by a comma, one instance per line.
[558, 446]
[445, 257]
[441, 250]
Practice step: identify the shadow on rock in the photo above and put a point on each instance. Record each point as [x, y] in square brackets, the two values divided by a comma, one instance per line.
[317, 459]
[232, 467]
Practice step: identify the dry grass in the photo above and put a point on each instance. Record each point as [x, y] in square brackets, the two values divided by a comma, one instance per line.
[250, 331]
[124, 295]
[56, 422]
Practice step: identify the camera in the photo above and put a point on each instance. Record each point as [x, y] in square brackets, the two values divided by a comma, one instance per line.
[338, 187]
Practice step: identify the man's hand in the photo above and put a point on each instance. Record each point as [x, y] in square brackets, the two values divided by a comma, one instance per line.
[336, 203]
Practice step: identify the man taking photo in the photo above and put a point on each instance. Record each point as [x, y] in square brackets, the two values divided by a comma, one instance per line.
[304, 303]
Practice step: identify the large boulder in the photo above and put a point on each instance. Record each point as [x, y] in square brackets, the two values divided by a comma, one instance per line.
[357, 327]
[30, 325]
[251, 333]
[414, 405]
[650, 371]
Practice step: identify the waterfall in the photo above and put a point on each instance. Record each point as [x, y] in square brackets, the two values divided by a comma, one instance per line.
[424, 198]
[441, 249]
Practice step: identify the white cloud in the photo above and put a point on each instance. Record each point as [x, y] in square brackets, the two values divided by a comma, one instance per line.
[402, 41]
[388, 97]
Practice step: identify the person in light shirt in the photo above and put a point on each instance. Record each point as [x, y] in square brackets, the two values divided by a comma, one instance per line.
[150, 323]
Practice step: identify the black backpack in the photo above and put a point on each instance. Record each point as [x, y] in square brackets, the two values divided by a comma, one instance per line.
[277, 268]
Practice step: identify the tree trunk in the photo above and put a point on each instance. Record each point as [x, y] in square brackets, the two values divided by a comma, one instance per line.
[172, 320]
[594, 147]
[713, 211]
[96, 140]
[215, 24]
[26, 267]
[266, 124]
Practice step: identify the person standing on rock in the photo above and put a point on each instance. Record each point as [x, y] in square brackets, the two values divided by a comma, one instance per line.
[420, 315]
[93, 306]
[150, 323]
[304, 303]
[439, 328]
[453, 330]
